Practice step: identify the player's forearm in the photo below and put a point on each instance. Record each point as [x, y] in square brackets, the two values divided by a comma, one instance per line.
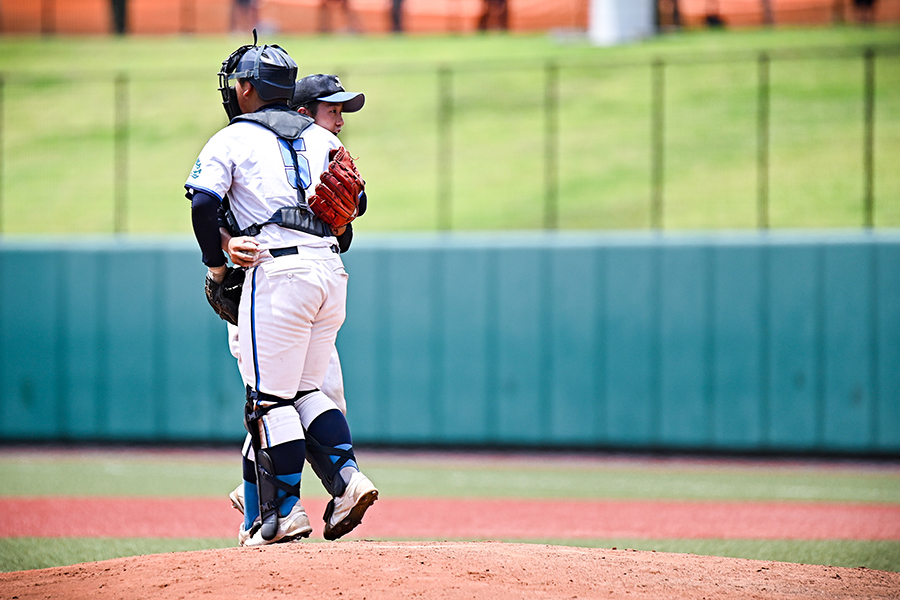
[225, 237]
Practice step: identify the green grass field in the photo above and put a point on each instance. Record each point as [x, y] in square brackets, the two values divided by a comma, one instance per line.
[466, 476]
[62, 173]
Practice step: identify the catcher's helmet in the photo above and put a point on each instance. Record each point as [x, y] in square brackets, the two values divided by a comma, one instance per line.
[268, 68]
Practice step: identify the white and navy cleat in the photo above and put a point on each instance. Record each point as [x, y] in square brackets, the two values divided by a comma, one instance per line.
[345, 512]
[293, 527]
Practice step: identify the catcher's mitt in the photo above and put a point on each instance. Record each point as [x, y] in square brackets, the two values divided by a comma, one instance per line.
[225, 297]
[336, 200]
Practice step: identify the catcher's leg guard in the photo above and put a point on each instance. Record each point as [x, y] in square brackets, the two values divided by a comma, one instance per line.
[268, 504]
[248, 502]
[267, 483]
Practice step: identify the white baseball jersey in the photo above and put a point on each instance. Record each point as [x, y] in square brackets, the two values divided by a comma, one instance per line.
[291, 306]
[249, 163]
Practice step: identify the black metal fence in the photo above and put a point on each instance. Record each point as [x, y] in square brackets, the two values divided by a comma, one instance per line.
[777, 138]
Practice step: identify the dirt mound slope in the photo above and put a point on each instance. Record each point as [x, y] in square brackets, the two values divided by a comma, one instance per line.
[480, 570]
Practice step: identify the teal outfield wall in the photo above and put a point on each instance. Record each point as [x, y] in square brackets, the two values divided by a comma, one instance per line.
[720, 342]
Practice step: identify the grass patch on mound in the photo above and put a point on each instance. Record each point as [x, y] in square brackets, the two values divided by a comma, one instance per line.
[23, 554]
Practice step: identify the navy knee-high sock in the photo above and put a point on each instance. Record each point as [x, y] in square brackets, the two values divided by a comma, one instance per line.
[331, 429]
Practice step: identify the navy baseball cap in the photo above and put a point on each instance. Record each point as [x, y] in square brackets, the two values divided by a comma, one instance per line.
[325, 88]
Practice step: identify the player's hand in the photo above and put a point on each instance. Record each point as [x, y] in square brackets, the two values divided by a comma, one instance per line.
[243, 251]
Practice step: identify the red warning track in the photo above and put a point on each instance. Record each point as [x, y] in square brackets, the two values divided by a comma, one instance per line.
[406, 518]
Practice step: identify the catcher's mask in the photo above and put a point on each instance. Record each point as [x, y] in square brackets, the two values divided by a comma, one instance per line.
[268, 68]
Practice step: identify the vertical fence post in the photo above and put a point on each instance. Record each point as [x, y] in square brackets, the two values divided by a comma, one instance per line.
[657, 142]
[121, 153]
[551, 114]
[445, 147]
[762, 143]
[869, 138]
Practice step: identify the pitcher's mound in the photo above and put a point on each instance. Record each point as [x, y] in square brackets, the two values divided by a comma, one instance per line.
[480, 570]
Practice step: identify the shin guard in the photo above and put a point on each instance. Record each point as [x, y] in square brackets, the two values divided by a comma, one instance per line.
[267, 484]
[268, 491]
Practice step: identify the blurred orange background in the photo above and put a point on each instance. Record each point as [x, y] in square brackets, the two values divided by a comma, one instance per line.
[151, 17]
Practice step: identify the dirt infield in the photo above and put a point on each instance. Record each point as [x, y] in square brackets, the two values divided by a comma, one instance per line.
[478, 570]
[468, 519]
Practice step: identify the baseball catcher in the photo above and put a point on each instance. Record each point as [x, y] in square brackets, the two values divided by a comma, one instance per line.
[268, 162]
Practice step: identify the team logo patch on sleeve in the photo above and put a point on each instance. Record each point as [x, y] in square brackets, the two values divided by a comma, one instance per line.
[196, 172]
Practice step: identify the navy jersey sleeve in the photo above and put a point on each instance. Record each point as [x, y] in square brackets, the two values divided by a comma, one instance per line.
[205, 219]
[345, 238]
